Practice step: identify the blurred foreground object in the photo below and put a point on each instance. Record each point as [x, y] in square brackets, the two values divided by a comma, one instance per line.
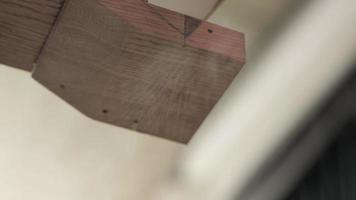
[236, 152]
[334, 176]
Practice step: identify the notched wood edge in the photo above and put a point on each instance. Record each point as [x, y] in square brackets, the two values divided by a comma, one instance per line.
[207, 36]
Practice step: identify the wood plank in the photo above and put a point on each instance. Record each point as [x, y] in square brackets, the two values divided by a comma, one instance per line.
[218, 39]
[24, 27]
[151, 21]
[121, 63]
[166, 24]
[196, 8]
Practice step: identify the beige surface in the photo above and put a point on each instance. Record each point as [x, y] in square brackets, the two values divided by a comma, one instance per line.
[282, 90]
[251, 17]
[50, 151]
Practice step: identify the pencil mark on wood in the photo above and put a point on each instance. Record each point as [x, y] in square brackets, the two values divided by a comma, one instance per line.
[191, 24]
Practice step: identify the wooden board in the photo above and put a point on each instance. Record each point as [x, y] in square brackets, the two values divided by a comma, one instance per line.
[195, 8]
[121, 62]
[24, 27]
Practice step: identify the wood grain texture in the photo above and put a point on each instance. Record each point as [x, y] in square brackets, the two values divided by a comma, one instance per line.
[196, 8]
[217, 39]
[130, 71]
[24, 27]
[156, 22]
[170, 25]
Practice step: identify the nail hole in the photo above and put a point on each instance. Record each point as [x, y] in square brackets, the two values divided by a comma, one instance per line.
[210, 31]
[105, 111]
[136, 121]
[62, 86]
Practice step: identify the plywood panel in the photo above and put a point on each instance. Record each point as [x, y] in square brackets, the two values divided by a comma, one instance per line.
[24, 26]
[121, 63]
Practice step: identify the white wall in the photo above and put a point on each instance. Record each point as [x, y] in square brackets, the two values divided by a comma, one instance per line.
[251, 17]
[48, 150]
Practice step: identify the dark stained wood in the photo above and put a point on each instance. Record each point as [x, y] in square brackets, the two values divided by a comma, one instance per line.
[24, 27]
[121, 63]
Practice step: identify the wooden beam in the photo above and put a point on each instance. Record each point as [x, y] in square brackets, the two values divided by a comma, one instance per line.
[24, 27]
[127, 63]
[196, 8]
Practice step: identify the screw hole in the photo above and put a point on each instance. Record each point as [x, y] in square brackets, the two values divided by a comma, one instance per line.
[135, 121]
[62, 86]
[105, 111]
[210, 31]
